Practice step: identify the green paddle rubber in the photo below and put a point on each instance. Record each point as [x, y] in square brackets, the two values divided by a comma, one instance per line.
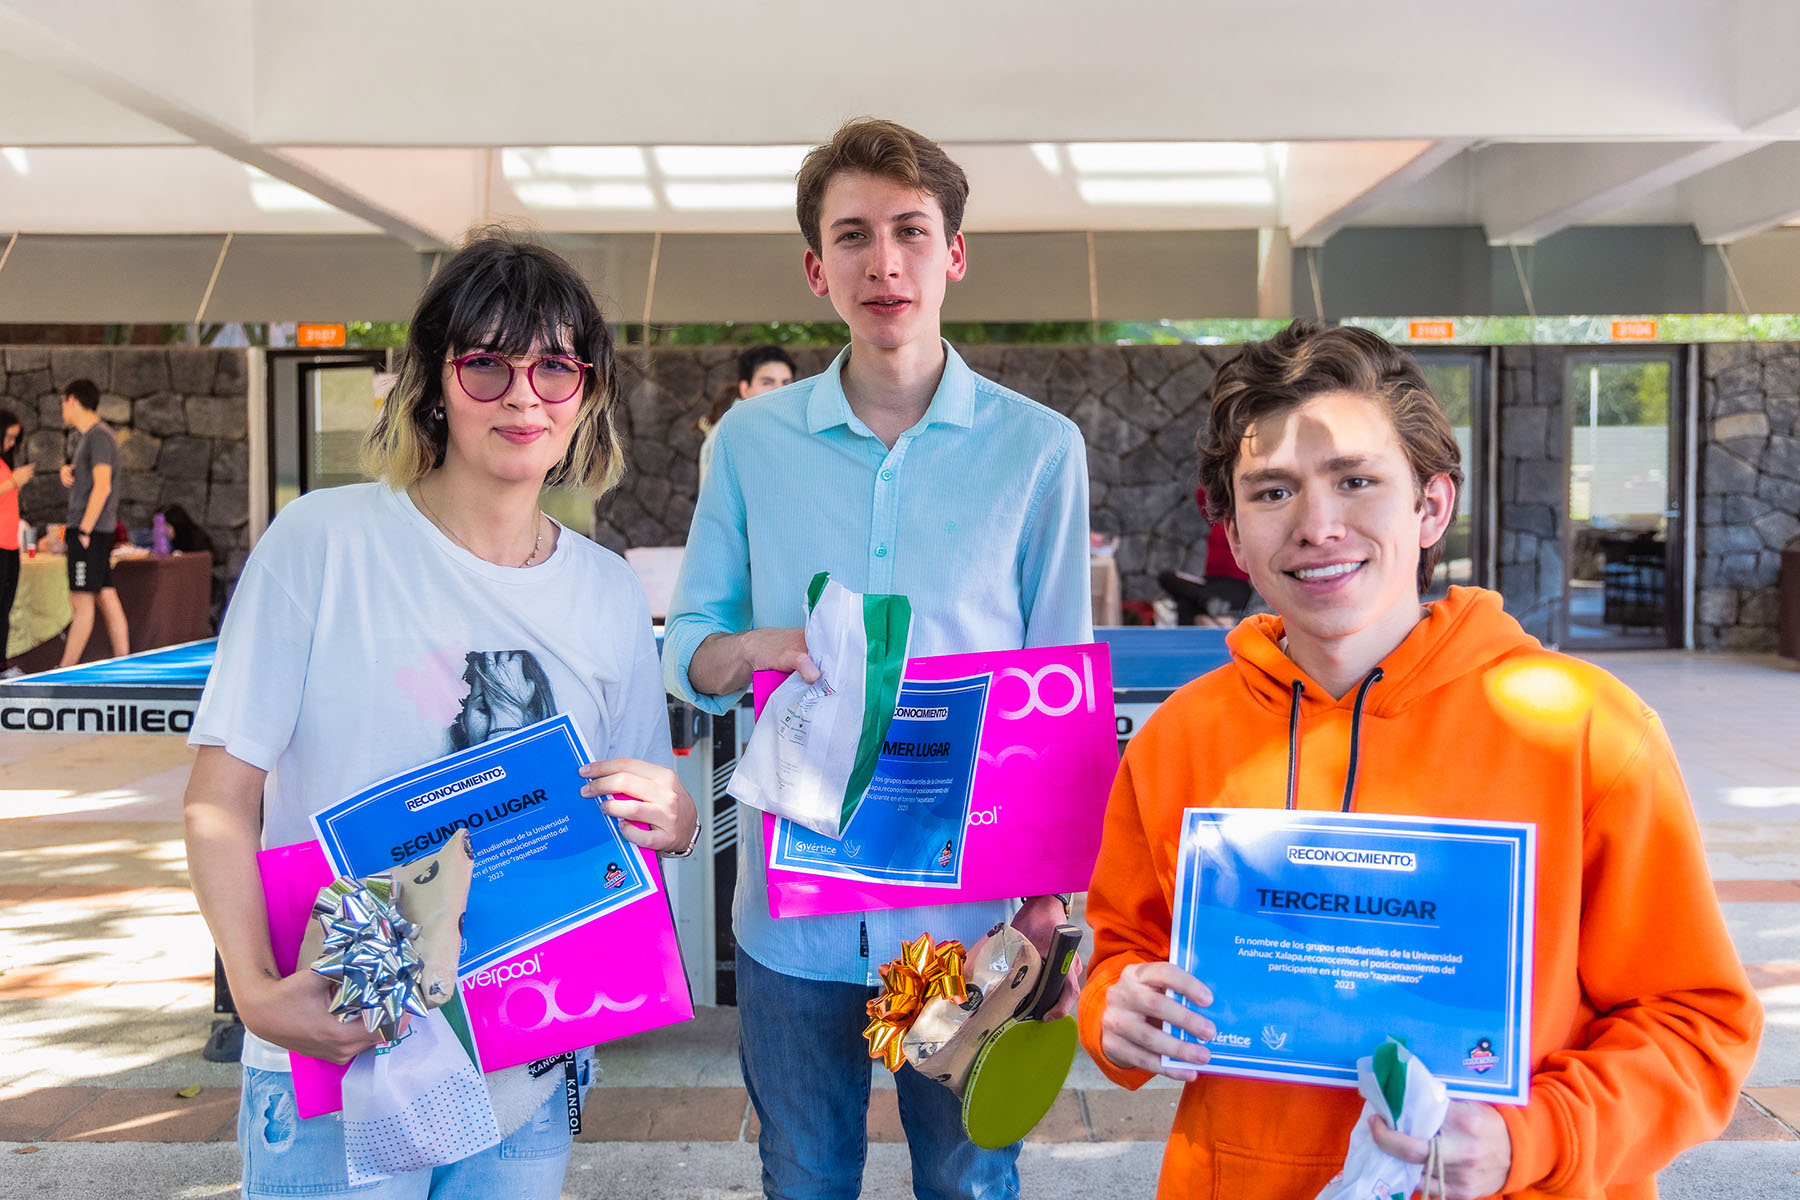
[1016, 1079]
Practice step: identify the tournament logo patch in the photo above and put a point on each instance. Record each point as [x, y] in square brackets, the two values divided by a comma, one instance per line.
[1482, 1058]
[615, 878]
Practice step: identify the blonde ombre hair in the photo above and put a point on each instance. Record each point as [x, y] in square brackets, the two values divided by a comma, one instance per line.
[504, 293]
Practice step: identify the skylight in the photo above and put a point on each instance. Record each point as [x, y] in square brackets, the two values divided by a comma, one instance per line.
[730, 162]
[272, 195]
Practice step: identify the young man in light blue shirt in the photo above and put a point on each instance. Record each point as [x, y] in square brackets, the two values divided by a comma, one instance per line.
[898, 470]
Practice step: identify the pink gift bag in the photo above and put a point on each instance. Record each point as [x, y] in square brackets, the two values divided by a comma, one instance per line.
[1048, 752]
[617, 975]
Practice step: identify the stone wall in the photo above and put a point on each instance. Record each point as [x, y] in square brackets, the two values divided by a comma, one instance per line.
[1138, 407]
[1749, 490]
[181, 415]
[1533, 489]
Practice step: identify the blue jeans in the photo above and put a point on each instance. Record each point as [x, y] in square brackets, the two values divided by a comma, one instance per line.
[808, 1071]
[286, 1156]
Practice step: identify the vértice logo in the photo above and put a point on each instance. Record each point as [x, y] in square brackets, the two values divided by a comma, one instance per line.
[1235, 1040]
[1482, 1058]
[1273, 1038]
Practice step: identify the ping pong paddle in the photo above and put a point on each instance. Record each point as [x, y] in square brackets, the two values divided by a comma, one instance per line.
[1018, 1073]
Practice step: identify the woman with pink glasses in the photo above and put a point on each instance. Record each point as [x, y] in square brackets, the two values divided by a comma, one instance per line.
[378, 626]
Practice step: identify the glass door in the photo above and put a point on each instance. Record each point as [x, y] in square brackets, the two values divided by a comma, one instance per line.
[338, 403]
[1459, 381]
[1623, 552]
[320, 403]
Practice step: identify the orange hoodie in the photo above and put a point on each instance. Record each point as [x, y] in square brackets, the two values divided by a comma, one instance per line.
[1643, 1023]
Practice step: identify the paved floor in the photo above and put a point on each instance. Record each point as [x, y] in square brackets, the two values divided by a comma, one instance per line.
[105, 967]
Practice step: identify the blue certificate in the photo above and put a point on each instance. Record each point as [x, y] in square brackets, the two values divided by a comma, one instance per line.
[1320, 934]
[546, 858]
[909, 827]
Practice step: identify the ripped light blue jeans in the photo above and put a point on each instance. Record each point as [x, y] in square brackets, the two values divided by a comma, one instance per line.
[285, 1156]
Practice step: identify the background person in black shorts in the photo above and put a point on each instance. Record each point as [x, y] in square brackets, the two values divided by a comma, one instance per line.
[93, 511]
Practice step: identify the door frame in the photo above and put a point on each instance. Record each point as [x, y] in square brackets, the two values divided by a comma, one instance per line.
[1480, 473]
[286, 369]
[1677, 549]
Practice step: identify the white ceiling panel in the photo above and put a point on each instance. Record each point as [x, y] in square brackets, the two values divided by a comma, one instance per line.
[439, 190]
[606, 124]
[166, 189]
[179, 63]
[41, 106]
[699, 71]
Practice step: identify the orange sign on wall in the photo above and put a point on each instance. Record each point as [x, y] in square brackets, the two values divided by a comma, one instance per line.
[1431, 331]
[1640, 330]
[316, 337]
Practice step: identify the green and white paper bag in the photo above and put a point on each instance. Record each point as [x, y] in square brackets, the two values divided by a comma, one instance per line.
[814, 749]
[1396, 1085]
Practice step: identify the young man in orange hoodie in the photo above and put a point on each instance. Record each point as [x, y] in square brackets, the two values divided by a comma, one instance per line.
[1337, 475]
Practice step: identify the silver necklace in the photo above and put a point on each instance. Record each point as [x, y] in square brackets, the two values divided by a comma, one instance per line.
[419, 491]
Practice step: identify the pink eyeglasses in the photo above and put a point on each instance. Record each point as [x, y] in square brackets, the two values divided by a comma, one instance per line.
[486, 376]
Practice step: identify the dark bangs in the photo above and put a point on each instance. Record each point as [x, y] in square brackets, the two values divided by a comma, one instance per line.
[506, 294]
[510, 305]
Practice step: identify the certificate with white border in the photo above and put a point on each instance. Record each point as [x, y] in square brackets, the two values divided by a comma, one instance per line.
[1320, 934]
[546, 858]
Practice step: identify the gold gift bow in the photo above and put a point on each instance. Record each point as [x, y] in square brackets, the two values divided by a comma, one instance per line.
[921, 973]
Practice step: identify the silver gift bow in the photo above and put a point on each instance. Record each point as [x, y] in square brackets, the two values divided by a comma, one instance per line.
[368, 951]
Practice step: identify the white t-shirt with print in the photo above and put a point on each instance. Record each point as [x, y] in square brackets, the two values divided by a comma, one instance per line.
[362, 642]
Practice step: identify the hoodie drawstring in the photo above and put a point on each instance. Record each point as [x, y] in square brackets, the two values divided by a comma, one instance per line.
[1294, 744]
[1356, 736]
[1293, 782]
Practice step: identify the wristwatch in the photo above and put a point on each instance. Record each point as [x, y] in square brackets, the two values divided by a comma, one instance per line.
[1067, 898]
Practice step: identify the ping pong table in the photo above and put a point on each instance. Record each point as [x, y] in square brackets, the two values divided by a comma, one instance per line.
[159, 691]
[156, 691]
[1148, 664]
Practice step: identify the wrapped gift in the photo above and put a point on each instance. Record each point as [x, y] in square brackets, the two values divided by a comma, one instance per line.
[939, 1005]
[391, 941]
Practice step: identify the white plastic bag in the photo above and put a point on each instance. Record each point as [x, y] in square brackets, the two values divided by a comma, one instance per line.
[415, 1103]
[1388, 1076]
[813, 751]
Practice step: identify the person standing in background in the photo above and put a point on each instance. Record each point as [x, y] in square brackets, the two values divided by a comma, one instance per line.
[93, 511]
[1222, 593]
[11, 480]
[760, 369]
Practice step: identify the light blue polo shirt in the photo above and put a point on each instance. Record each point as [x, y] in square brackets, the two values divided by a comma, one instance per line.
[979, 515]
